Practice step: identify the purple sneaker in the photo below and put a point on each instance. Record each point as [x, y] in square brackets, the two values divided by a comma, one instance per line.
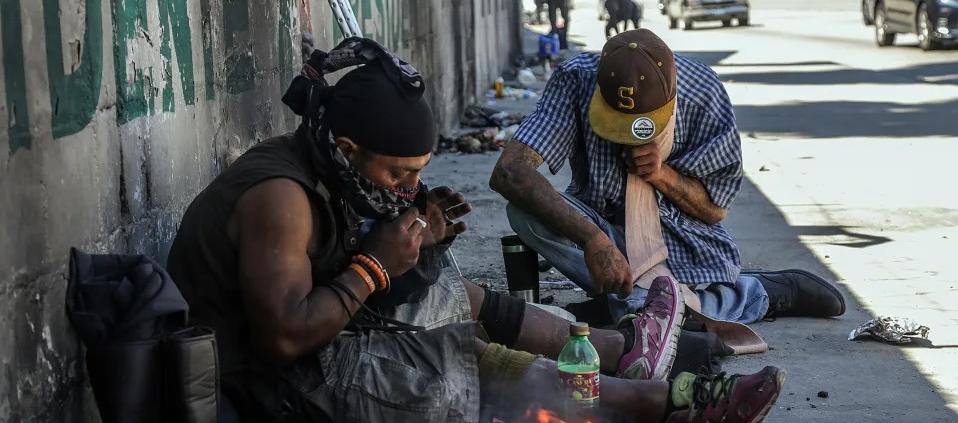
[657, 330]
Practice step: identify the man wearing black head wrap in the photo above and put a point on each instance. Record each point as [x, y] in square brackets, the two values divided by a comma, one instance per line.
[310, 233]
[315, 258]
[380, 140]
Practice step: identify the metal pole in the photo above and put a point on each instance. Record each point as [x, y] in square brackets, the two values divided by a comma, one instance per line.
[343, 12]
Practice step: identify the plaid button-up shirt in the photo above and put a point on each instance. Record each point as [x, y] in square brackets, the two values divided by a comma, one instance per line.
[706, 147]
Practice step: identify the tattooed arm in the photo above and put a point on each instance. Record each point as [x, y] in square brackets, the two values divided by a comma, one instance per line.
[689, 195]
[516, 178]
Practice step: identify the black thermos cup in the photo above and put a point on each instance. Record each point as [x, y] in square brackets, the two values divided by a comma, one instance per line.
[522, 269]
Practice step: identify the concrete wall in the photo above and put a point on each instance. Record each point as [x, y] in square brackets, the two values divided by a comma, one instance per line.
[115, 113]
[461, 46]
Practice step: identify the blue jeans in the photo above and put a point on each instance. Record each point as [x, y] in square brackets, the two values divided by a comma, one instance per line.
[744, 301]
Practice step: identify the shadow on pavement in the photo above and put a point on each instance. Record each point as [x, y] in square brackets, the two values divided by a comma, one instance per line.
[784, 64]
[866, 381]
[835, 119]
[848, 238]
[717, 25]
[709, 58]
[937, 73]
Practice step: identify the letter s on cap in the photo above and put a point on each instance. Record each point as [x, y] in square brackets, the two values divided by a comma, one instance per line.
[625, 98]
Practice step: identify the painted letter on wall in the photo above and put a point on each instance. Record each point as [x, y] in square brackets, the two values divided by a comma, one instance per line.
[175, 26]
[129, 20]
[14, 76]
[73, 95]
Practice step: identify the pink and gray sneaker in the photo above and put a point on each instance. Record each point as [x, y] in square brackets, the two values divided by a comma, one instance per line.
[657, 329]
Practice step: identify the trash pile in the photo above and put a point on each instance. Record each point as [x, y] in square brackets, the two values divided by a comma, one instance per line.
[484, 129]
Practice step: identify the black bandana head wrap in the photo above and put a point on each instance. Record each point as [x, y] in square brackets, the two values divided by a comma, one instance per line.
[368, 108]
[378, 106]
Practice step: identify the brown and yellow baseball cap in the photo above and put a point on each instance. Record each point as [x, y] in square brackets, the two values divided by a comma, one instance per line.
[635, 94]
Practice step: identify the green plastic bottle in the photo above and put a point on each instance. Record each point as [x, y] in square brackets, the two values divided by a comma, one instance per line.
[579, 371]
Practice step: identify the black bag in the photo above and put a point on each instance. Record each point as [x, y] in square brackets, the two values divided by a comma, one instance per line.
[144, 364]
[127, 381]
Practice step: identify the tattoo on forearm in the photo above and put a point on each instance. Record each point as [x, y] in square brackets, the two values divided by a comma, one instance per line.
[519, 154]
[517, 179]
[690, 196]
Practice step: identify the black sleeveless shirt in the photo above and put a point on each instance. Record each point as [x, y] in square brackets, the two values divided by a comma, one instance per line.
[204, 262]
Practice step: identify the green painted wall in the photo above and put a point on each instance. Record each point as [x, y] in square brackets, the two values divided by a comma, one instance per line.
[144, 88]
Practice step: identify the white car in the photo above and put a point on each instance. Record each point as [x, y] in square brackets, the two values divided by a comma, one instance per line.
[690, 11]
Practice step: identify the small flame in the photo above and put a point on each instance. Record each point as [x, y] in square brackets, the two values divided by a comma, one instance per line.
[535, 413]
[546, 416]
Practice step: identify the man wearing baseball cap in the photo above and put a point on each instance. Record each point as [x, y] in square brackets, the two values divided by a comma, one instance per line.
[656, 162]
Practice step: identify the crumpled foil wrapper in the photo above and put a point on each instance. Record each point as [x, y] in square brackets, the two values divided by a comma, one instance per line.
[892, 330]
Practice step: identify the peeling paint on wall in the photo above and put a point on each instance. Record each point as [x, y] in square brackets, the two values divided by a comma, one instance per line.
[129, 25]
[239, 46]
[175, 24]
[207, 19]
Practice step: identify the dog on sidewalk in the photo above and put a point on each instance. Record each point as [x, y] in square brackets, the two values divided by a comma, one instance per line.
[622, 11]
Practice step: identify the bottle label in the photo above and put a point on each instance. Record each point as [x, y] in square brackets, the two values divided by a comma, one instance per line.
[581, 386]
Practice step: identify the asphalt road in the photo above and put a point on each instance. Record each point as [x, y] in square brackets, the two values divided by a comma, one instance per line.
[850, 156]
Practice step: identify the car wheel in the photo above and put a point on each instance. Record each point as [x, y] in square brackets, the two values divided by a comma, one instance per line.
[726, 22]
[687, 24]
[673, 23]
[882, 36]
[865, 18]
[743, 20]
[924, 30]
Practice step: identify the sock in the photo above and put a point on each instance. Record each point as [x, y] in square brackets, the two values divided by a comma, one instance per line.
[500, 363]
[628, 332]
[680, 393]
[501, 317]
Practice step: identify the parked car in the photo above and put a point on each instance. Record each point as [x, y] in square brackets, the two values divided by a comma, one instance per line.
[691, 11]
[935, 21]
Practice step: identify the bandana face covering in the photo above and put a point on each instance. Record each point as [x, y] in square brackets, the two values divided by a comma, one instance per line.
[369, 199]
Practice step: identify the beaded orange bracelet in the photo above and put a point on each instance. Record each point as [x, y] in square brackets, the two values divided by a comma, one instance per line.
[379, 265]
[364, 275]
[375, 269]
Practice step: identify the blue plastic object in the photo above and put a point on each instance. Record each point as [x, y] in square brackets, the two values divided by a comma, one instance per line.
[549, 45]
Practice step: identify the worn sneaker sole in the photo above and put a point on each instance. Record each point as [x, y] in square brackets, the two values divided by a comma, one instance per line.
[779, 382]
[663, 365]
[667, 357]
